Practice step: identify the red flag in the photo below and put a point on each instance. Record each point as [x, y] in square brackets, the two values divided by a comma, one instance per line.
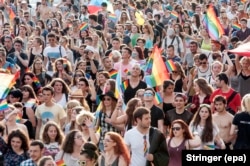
[242, 50]
[93, 9]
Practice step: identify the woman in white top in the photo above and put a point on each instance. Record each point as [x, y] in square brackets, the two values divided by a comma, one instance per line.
[207, 130]
[52, 138]
[71, 148]
[61, 91]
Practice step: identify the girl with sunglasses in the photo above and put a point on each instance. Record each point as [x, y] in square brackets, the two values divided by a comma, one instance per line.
[86, 120]
[180, 139]
[208, 131]
[89, 155]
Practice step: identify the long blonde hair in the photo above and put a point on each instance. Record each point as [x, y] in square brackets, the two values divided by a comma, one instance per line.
[245, 103]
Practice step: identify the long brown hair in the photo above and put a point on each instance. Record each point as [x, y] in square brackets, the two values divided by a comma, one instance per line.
[121, 148]
[207, 134]
[204, 86]
[131, 105]
[45, 136]
[187, 134]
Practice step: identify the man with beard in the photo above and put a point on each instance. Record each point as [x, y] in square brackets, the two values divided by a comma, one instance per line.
[223, 120]
[233, 97]
[147, 144]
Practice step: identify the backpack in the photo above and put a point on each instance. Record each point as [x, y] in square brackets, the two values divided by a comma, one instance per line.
[178, 43]
[230, 110]
[50, 68]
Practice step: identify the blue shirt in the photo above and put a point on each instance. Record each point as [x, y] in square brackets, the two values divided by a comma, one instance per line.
[28, 162]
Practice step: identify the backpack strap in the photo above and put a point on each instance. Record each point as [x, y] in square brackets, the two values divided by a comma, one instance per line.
[60, 50]
[231, 97]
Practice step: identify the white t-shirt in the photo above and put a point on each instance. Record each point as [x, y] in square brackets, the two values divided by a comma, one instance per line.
[54, 113]
[134, 139]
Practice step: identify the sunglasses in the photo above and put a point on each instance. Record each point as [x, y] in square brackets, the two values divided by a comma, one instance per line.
[147, 94]
[175, 72]
[82, 163]
[108, 99]
[83, 124]
[203, 63]
[78, 75]
[176, 128]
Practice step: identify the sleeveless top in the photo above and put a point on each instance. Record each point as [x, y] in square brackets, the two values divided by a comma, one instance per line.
[149, 43]
[167, 106]
[205, 46]
[205, 73]
[234, 82]
[244, 82]
[115, 163]
[178, 84]
[175, 153]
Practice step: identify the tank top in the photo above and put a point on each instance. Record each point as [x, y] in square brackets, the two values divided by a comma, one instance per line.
[115, 163]
[244, 82]
[149, 44]
[205, 46]
[167, 106]
[175, 153]
[205, 73]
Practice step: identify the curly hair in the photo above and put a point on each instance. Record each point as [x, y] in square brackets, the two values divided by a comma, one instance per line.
[22, 136]
[45, 136]
[121, 148]
[65, 86]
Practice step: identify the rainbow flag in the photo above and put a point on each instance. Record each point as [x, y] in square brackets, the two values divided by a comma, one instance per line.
[149, 65]
[112, 17]
[126, 71]
[157, 98]
[37, 82]
[3, 105]
[212, 24]
[18, 118]
[30, 103]
[84, 26]
[60, 163]
[12, 15]
[113, 74]
[243, 1]
[7, 82]
[124, 86]
[236, 26]
[174, 14]
[170, 65]
[159, 70]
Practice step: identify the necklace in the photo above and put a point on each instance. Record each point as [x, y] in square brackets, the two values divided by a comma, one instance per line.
[177, 147]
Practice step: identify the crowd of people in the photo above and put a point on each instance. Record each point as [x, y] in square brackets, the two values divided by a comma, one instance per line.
[65, 107]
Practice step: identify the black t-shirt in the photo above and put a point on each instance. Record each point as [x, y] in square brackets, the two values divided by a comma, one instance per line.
[98, 27]
[171, 115]
[156, 114]
[129, 93]
[242, 121]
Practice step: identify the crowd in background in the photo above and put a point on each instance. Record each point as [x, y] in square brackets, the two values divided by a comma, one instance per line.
[64, 107]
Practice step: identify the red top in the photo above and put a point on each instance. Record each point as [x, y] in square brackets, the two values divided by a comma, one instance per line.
[235, 102]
